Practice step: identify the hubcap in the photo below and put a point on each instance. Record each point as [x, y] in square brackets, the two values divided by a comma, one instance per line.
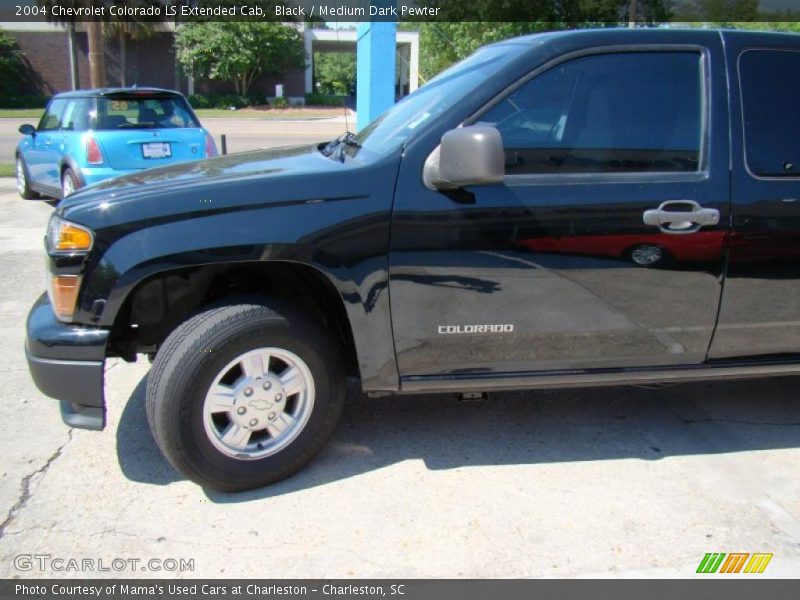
[20, 177]
[646, 255]
[67, 186]
[259, 403]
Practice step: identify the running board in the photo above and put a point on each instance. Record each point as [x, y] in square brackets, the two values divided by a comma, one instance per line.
[559, 379]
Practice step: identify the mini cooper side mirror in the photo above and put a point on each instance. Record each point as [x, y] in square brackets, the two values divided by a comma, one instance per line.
[470, 155]
[27, 129]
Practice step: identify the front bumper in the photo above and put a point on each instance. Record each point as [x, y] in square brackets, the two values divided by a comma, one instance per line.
[67, 362]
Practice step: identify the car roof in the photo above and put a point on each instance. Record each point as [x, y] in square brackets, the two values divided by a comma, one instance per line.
[117, 91]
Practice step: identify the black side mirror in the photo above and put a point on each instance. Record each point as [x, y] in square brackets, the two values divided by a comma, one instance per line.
[27, 129]
[467, 156]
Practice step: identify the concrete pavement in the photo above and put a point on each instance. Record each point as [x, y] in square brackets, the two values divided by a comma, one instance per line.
[579, 483]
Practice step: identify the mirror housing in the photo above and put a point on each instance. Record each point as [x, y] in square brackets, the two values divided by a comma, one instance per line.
[27, 129]
[470, 155]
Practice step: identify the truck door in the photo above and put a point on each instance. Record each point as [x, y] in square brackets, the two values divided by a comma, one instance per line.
[760, 310]
[603, 246]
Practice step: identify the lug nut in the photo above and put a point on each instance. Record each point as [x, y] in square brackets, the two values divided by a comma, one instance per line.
[241, 410]
[271, 416]
[267, 385]
[248, 391]
[253, 422]
[278, 397]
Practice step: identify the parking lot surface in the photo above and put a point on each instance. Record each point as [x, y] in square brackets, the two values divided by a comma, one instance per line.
[242, 134]
[579, 483]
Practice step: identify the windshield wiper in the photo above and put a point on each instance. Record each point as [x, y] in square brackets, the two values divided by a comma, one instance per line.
[348, 138]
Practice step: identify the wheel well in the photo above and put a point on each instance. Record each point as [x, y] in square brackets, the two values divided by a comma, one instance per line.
[162, 302]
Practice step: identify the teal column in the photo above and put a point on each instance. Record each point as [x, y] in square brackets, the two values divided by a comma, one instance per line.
[375, 70]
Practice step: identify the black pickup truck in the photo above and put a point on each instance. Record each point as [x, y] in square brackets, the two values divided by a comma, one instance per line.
[581, 208]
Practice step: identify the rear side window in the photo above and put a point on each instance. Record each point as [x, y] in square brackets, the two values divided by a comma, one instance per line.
[138, 112]
[76, 115]
[611, 113]
[770, 88]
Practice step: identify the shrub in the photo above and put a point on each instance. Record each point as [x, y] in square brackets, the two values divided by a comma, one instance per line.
[256, 98]
[199, 101]
[324, 100]
[231, 100]
[279, 102]
[24, 101]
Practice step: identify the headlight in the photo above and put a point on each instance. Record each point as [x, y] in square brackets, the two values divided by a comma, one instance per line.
[66, 237]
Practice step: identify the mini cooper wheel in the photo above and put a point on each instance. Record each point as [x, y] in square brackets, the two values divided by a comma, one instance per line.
[648, 255]
[23, 181]
[242, 396]
[69, 183]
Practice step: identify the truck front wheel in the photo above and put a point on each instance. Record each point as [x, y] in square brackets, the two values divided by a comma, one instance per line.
[242, 396]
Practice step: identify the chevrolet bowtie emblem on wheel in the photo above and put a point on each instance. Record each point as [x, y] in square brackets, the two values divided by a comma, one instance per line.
[735, 562]
[260, 404]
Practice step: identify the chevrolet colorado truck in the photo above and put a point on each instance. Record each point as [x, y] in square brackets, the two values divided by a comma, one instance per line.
[564, 209]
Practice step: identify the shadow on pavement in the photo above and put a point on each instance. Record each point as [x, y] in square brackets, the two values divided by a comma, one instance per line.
[138, 455]
[534, 427]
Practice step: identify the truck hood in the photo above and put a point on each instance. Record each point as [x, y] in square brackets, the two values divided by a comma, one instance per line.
[296, 173]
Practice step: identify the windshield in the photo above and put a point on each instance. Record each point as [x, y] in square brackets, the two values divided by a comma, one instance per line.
[142, 112]
[396, 125]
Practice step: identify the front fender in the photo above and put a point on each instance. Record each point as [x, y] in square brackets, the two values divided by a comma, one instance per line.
[344, 238]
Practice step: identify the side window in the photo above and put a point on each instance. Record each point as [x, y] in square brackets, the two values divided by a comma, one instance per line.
[76, 115]
[606, 113]
[52, 117]
[770, 84]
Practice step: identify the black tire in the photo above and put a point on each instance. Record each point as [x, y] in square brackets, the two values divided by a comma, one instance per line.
[69, 175]
[196, 352]
[24, 185]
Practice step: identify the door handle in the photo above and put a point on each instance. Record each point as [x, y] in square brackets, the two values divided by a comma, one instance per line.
[680, 216]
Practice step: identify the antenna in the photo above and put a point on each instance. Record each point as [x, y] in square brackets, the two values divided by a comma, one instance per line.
[344, 103]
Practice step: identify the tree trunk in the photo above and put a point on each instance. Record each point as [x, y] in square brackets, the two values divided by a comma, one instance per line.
[73, 57]
[123, 58]
[97, 63]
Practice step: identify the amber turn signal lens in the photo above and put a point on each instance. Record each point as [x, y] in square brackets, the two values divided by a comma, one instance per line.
[73, 238]
[64, 294]
[68, 237]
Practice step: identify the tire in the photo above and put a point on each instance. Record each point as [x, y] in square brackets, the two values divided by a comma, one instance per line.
[24, 180]
[69, 183]
[648, 255]
[200, 353]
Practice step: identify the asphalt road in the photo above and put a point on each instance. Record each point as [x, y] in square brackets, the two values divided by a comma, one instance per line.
[578, 483]
[242, 134]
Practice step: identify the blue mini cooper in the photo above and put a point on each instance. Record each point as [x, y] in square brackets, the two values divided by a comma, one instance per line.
[87, 136]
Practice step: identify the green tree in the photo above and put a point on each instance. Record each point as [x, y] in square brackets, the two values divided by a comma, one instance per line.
[335, 72]
[12, 67]
[720, 12]
[468, 26]
[238, 51]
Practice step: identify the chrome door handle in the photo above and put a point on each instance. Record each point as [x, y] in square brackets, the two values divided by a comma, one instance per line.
[680, 216]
